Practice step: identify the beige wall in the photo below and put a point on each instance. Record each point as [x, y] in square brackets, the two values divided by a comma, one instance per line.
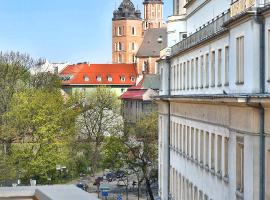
[152, 64]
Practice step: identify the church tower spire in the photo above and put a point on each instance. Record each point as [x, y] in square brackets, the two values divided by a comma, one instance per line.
[153, 14]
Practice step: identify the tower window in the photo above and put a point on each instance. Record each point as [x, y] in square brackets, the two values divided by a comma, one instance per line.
[133, 30]
[119, 58]
[120, 47]
[119, 32]
[133, 46]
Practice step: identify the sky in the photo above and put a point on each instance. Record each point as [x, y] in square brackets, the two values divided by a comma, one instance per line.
[61, 30]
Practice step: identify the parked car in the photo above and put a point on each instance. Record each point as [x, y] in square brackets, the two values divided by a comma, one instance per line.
[110, 176]
[120, 174]
[83, 186]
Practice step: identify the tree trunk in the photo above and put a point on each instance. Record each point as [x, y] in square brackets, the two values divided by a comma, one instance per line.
[149, 190]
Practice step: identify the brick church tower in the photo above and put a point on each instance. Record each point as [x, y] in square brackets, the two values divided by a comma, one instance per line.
[153, 14]
[126, 33]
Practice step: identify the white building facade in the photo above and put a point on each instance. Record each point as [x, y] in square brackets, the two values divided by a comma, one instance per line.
[214, 102]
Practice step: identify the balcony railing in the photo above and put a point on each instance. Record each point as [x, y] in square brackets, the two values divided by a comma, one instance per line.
[212, 27]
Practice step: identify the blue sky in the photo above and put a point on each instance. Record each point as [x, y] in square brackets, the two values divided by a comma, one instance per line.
[61, 30]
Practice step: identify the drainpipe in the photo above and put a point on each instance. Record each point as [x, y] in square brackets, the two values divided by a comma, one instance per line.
[260, 20]
[169, 122]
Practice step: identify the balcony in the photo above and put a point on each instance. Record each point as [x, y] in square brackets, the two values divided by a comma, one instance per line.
[240, 6]
[206, 31]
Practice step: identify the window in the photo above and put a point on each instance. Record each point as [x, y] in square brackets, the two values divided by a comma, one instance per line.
[188, 141]
[132, 79]
[184, 139]
[212, 151]
[86, 78]
[98, 78]
[219, 154]
[197, 73]
[226, 82]
[240, 60]
[213, 63]
[196, 144]
[181, 76]
[192, 74]
[120, 58]
[133, 46]
[109, 78]
[201, 147]
[201, 72]
[133, 58]
[219, 67]
[188, 73]
[207, 149]
[180, 138]
[119, 31]
[240, 164]
[192, 143]
[184, 76]
[133, 30]
[120, 47]
[226, 164]
[207, 70]
[122, 78]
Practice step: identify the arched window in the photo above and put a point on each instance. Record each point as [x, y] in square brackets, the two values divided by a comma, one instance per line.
[133, 46]
[133, 30]
[119, 32]
[120, 47]
[119, 58]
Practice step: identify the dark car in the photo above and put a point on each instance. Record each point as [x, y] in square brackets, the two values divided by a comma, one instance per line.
[120, 174]
[110, 176]
[83, 186]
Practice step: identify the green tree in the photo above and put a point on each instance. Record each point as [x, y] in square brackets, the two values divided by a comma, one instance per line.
[41, 122]
[137, 150]
[100, 117]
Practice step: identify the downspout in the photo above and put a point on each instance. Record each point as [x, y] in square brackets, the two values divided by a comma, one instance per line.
[260, 20]
[169, 122]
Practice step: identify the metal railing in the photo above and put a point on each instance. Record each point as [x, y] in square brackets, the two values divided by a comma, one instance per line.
[207, 30]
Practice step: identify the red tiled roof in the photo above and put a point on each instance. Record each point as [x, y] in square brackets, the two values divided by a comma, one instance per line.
[79, 73]
[133, 94]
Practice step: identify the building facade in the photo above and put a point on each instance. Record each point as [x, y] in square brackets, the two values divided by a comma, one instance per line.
[126, 33]
[214, 102]
[84, 78]
[137, 101]
[153, 14]
[134, 40]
